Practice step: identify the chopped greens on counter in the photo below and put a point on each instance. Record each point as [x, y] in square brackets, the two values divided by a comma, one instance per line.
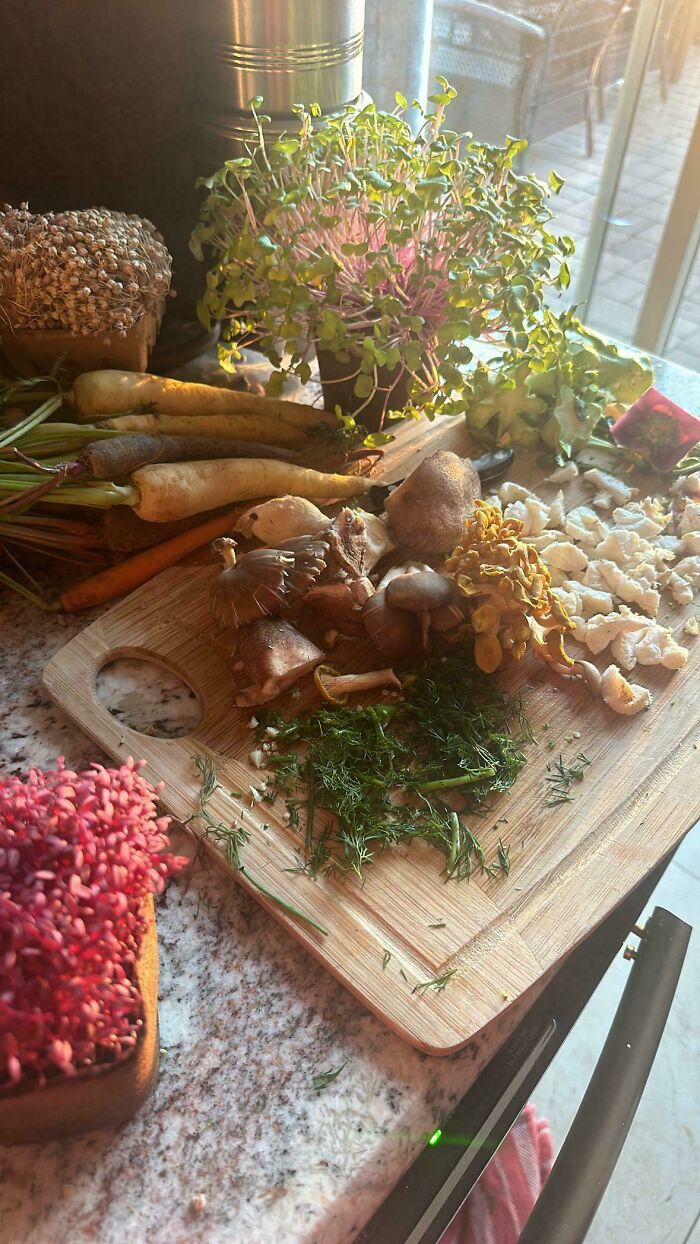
[438, 983]
[385, 772]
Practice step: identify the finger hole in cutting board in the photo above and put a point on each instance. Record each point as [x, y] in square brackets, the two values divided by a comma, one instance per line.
[148, 695]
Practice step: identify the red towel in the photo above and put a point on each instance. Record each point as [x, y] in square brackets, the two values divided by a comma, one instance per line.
[500, 1203]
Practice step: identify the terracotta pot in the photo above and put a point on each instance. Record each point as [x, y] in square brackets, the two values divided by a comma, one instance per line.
[100, 1096]
[338, 382]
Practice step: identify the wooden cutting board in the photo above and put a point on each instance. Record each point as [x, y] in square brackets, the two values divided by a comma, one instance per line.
[570, 865]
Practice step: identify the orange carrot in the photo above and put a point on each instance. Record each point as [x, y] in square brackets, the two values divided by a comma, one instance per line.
[100, 588]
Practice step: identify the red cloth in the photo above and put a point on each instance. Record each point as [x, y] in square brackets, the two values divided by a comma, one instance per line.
[501, 1201]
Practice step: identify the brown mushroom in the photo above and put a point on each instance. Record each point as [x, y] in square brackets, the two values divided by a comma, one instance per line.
[347, 544]
[275, 655]
[421, 593]
[427, 512]
[264, 581]
[339, 605]
[393, 631]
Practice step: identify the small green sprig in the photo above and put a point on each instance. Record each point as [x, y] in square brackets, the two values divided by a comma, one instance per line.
[560, 778]
[324, 1078]
[438, 983]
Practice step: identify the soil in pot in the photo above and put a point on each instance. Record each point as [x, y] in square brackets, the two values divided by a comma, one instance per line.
[338, 382]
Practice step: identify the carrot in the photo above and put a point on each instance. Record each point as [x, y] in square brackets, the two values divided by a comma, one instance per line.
[102, 587]
[122, 531]
[238, 427]
[98, 393]
[114, 459]
[169, 491]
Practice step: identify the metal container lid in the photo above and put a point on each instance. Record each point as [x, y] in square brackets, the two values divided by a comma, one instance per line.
[287, 51]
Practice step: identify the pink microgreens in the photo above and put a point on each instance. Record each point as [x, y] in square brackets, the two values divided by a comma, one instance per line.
[78, 854]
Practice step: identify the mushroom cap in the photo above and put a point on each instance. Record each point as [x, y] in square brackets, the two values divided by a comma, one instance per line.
[266, 581]
[427, 512]
[275, 655]
[347, 541]
[394, 632]
[420, 591]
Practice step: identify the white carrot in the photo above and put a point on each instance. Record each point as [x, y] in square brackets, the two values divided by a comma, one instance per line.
[174, 490]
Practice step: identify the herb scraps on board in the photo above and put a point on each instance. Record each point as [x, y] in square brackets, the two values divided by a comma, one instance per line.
[360, 779]
[560, 778]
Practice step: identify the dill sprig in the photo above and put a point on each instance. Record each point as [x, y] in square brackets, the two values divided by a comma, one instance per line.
[230, 838]
[438, 983]
[389, 773]
[324, 1078]
[560, 778]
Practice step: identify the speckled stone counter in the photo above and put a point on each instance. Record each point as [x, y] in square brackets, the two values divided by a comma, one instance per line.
[246, 1021]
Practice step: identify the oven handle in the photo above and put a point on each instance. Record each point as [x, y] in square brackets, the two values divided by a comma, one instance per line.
[580, 1175]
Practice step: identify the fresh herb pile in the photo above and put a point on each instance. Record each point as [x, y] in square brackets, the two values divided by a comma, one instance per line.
[358, 780]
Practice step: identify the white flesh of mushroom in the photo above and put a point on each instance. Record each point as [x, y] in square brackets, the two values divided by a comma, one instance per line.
[623, 697]
[608, 484]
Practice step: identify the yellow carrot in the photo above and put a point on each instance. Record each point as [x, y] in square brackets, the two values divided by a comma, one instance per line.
[232, 427]
[127, 575]
[98, 393]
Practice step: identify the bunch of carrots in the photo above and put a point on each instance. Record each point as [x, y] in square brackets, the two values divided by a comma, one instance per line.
[152, 456]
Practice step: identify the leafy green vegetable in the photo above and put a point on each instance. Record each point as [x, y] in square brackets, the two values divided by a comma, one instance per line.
[556, 387]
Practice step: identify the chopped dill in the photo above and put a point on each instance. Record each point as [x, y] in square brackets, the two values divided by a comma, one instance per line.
[230, 838]
[440, 925]
[504, 856]
[560, 778]
[324, 1078]
[391, 773]
[402, 973]
[438, 983]
[385, 960]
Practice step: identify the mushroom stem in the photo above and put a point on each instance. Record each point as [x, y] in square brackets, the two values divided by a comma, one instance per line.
[226, 548]
[335, 687]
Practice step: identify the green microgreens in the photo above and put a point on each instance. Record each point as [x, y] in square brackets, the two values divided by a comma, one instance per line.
[368, 778]
[560, 778]
[438, 983]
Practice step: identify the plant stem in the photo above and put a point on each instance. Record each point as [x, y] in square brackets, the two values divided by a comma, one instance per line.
[288, 907]
[465, 779]
[43, 412]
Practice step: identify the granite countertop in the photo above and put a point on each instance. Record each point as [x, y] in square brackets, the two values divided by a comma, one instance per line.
[247, 1019]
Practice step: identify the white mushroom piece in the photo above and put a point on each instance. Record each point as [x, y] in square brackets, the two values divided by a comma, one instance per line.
[563, 474]
[623, 697]
[280, 519]
[611, 490]
[427, 512]
[275, 655]
[531, 512]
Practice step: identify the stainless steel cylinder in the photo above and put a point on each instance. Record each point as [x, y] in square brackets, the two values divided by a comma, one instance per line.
[287, 51]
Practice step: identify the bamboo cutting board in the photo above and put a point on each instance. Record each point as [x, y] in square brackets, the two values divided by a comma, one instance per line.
[570, 865]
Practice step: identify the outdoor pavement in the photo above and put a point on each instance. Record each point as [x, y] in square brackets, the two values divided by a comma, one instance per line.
[654, 159]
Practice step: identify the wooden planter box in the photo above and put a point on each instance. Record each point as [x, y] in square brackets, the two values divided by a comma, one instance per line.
[99, 1096]
[34, 353]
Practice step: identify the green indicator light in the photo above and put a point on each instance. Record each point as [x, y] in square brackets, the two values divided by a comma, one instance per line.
[435, 1136]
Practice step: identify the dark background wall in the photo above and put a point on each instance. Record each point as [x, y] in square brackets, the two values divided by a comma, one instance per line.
[96, 108]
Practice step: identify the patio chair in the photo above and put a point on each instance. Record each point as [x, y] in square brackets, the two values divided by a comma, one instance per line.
[528, 72]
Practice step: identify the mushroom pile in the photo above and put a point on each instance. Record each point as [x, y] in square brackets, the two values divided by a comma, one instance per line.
[293, 599]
